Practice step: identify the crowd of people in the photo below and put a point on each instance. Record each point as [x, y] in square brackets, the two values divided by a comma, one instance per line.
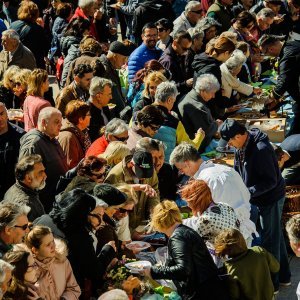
[144, 89]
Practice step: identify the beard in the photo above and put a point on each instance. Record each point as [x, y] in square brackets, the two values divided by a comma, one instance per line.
[38, 185]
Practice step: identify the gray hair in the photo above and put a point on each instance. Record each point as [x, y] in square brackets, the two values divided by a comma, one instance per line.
[293, 229]
[115, 294]
[98, 84]
[165, 90]
[9, 212]
[115, 127]
[11, 34]
[147, 144]
[236, 60]
[266, 13]
[190, 6]
[206, 23]
[45, 114]
[85, 3]
[195, 33]
[184, 152]
[26, 165]
[207, 83]
[4, 266]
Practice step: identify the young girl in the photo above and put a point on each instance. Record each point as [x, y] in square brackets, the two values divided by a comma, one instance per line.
[249, 269]
[56, 278]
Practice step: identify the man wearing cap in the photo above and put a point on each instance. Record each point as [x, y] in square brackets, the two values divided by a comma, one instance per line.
[137, 170]
[255, 160]
[115, 58]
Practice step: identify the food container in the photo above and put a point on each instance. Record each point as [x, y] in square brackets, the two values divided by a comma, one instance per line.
[248, 115]
[292, 202]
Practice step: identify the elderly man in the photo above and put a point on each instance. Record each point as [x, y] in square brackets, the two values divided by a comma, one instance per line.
[194, 112]
[14, 225]
[255, 160]
[10, 136]
[5, 276]
[14, 53]
[100, 96]
[30, 179]
[115, 130]
[189, 18]
[43, 141]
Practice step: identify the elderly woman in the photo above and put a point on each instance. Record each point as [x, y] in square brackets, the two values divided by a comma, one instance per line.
[115, 130]
[189, 263]
[73, 136]
[194, 111]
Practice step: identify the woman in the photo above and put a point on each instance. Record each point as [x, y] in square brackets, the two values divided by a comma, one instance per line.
[164, 28]
[38, 84]
[189, 263]
[73, 137]
[21, 85]
[31, 34]
[56, 278]
[148, 121]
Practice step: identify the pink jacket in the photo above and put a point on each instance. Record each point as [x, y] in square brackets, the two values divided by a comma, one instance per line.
[32, 107]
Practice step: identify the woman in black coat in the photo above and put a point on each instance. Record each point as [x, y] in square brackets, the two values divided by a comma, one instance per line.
[189, 263]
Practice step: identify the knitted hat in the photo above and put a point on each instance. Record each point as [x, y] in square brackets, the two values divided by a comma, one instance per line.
[119, 48]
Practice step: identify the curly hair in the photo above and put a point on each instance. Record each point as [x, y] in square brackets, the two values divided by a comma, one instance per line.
[28, 11]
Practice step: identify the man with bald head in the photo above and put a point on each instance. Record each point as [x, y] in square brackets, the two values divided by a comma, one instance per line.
[43, 141]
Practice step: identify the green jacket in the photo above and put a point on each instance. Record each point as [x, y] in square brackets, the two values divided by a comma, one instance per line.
[222, 14]
[122, 174]
[250, 275]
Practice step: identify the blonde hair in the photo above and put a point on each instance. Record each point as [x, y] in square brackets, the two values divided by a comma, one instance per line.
[35, 236]
[36, 79]
[156, 77]
[129, 191]
[9, 75]
[115, 152]
[22, 77]
[165, 215]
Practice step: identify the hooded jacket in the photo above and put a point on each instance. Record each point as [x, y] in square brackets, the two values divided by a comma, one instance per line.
[257, 164]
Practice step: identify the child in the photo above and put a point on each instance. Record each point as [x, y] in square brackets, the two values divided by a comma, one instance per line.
[249, 270]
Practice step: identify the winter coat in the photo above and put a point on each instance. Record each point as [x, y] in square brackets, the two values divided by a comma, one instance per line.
[167, 180]
[257, 164]
[58, 26]
[181, 24]
[190, 266]
[72, 54]
[56, 279]
[98, 147]
[21, 194]
[67, 41]
[54, 160]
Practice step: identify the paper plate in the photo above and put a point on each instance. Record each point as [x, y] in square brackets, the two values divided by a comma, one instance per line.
[137, 266]
[138, 245]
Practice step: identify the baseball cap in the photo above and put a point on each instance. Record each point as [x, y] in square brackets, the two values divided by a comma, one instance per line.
[143, 164]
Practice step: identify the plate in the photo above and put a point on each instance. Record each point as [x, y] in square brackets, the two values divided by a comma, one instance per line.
[137, 266]
[138, 245]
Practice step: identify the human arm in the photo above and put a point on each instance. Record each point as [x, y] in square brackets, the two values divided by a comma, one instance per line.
[273, 263]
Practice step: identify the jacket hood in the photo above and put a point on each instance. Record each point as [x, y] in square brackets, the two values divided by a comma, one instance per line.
[257, 135]
[32, 133]
[203, 61]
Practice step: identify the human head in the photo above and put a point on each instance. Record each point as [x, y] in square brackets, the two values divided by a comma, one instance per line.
[197, 39]
[21, 82]
[5, 276]
[77, 27]
[270, 45]
[164, 28]
[28, 11]
[221, 49]
[49, 121]
[92, 167]
[31, 172]
[234, 133]
[230, 243]
[265, 18]
[235, 62]
[78, 113]
[64, 10]
[182, 42]
[282, 155]
[156, 148]
[13, 222]
[10, 40]
[114, 294]
[150, 119]
[209, 26]
[293, 230]
[244, 47]
[38, 83]
[152, 80]
[3, 118]
[193, 11]
[100, 91]
[165, 215]
[275, 5]
[83, 74]
[118, 54]
[90, 46]
[116, 130]
[115, 152]
[141, 164]
[149, 35]
[206, 86]
[88, 7]
[186, 159]
[9, 75]
[244, 23]
[166, 94]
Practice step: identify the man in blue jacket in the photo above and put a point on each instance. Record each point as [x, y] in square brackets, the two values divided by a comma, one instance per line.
[255, 160]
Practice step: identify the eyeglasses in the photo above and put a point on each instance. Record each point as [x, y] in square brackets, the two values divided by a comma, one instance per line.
[154, 128]
[184, 48]
[121, 139]
[161, 29]
[198, 12]
[32, 267]
[149, 36]
[23, 227]
[123, 210]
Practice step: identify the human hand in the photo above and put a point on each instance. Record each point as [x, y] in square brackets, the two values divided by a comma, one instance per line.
[200, 131]
[98, 14]
[189, 82]
[130, 284]
[219, 122]
[278, 19]
[233, 108]
[40, 22]
[146, 272]
[116, 5]
[146, 188]
[112, 22]
[33, 295]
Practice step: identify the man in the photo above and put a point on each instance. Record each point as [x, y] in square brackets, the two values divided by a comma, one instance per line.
[30, 179]
[264, 19]
[5, 276]
[225, 183]
[256, 162]
[43, 141]
[189, 18]
[78, 89]
[167, 178]
[10, 136]
[115, 130]
[145, 52]
[173, 60]
[14, 53]
[289, 73]
[137, 170]
[275, 5]
[116, 57]
[14, 225]
[100, 96]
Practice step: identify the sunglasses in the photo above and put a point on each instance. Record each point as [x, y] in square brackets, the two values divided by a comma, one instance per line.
[23, 227]
[184, 48]
[123, 210]
[161, 29]
[121, 139]
[154, 128]
[198, 12]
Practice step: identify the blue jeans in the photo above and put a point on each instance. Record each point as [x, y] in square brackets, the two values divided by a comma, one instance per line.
[272, 239]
